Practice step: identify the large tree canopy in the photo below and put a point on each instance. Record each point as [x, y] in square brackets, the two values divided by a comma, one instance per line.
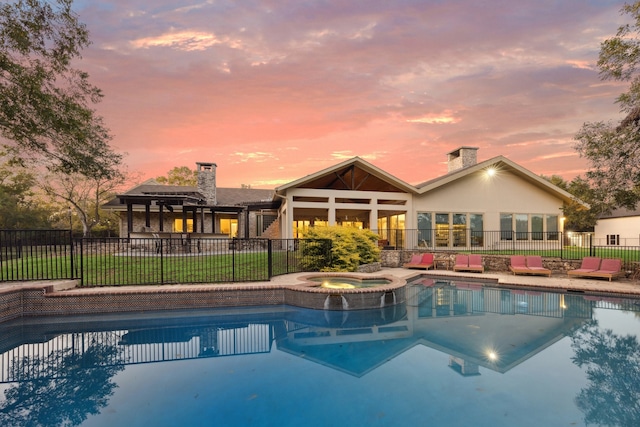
[614, 149]
[45, 103]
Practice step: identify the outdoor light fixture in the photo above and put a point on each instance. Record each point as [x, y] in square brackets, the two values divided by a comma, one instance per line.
[491, 171]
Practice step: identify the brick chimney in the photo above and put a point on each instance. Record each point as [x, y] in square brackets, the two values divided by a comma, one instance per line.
[462, 157]
[207, 182]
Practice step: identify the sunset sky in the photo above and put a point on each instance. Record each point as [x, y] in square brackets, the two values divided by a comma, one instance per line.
[273, 90]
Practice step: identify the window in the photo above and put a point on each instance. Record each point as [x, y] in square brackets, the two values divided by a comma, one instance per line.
[178, 226]
[613, 239]
[459, 222]
[229, 227]
[442, 229]
[552, 227]
[425, 227]
[506, 227]
[477, 229]
[537, 227]
[522, 227]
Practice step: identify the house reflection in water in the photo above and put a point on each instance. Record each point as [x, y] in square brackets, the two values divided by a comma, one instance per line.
[464, 320]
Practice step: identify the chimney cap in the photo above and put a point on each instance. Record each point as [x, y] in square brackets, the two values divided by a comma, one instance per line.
[464, 147]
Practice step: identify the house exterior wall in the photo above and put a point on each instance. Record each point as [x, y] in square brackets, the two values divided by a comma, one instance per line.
[627, 230]
[488, 195]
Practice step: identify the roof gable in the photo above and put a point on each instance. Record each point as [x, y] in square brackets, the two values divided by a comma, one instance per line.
[500, 163]
[354, 174]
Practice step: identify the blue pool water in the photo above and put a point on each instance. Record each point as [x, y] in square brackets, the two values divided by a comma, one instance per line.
[456, 354]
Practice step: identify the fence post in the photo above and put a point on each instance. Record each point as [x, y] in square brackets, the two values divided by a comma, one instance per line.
[561, 244]
[162, 262]
[82, 281]
[269, 260]
[72, 272]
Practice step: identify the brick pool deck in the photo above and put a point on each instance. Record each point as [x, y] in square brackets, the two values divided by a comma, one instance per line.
[42, 298]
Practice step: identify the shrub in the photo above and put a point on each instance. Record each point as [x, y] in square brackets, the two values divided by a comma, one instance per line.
[351, 247]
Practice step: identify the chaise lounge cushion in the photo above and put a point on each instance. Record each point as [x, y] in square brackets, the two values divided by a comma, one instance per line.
[534, 263]
[420, 261]
[589, 264]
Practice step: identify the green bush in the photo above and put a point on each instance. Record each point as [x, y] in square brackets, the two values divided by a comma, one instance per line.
[351, 247]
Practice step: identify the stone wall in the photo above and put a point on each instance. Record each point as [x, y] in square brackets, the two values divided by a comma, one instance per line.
[498, 263]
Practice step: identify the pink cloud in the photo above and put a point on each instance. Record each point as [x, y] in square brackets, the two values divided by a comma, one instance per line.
[272, 90]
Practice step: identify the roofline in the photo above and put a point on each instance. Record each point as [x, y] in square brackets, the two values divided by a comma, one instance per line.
[354, 160]
[519, 170]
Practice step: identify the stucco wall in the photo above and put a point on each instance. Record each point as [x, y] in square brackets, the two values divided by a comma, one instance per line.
[628, 228]
[479, 193]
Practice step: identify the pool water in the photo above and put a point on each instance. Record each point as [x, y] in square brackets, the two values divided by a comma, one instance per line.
[340, 282]
[455, 354]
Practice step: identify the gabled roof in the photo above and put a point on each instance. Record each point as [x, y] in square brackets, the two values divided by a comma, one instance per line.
[352, 174]
[500, 163]
[152, 190]
[621, 213]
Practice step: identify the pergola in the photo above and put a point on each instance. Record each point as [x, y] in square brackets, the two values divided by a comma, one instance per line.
[192, 208]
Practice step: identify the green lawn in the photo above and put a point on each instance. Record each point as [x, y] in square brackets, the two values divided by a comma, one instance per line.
[109, 270]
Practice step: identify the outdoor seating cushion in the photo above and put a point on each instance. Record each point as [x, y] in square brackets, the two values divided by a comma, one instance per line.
[475, 260]
[610, 265]
[462, 260]
[518, 261]
[427, 259]
[589, 263]
[415, 259]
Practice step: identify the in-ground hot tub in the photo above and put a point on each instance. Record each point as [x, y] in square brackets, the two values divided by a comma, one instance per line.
[343, 291]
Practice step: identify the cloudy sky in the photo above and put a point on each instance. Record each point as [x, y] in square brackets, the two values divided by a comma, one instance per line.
[272, 90]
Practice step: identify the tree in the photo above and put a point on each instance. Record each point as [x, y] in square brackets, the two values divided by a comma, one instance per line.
[577, 217]
[179, 175]
[45, 103]
[83, 195]
[19, 207]
[611, 396]
[63, 393]
[614, 150]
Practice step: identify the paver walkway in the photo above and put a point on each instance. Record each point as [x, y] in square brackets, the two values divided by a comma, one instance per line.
[559, 282]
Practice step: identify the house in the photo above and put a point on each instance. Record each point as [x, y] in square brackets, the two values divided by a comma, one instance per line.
[621, 227]
[205, 209]
[455, 210]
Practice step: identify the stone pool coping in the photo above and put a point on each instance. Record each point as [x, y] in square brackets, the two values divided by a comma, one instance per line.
[62, 297]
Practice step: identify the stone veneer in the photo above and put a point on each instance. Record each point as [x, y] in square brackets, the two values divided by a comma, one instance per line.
[498, 263]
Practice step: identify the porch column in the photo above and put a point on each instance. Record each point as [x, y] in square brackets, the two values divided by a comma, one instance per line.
[129, 218]
[331, 210]
[147, 215]
[373, 218]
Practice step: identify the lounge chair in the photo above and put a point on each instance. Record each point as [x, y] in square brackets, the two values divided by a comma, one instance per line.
[534, 263]
[468, 263]
[426, 262]
[609, 268]
[518, 265]
[475, 263]
[461, 263]
[415, 260]
[528, 265]
[589, 265]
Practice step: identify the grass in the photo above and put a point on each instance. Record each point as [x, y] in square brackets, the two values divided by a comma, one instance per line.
[111, 270]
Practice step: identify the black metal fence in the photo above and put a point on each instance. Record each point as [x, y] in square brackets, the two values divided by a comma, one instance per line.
[139, 261]
[52, 254]
[36, 255]
[563, 245]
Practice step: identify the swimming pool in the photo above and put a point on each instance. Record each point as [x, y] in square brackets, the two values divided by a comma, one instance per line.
[455, 353]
